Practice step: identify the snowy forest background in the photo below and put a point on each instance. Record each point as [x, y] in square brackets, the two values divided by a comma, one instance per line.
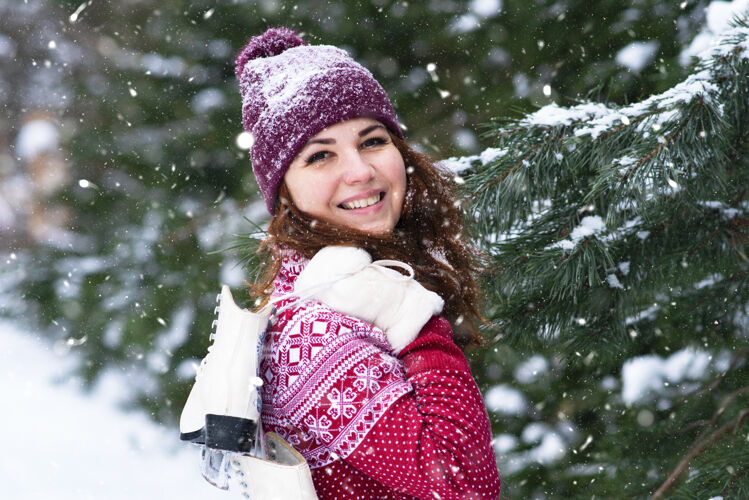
[604, 170]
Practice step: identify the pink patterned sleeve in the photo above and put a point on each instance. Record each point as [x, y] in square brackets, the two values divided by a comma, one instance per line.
[333, 378]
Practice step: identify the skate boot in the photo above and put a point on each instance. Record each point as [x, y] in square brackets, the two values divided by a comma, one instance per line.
[223, 408]
[282, 475]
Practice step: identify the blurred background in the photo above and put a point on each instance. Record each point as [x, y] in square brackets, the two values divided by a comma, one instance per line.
[123, 174]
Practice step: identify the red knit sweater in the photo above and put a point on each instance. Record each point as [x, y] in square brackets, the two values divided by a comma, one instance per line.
[372, 425]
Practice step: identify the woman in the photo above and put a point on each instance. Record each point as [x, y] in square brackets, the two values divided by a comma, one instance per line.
[376, 414]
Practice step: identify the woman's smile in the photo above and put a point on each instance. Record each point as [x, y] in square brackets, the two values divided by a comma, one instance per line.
[361, 202]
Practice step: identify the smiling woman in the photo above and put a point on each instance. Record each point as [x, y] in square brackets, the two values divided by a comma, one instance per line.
[365, 380]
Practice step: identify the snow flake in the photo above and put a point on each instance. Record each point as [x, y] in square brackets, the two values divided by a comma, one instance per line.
[36, 137]
[506, 400]
[464, 24]
[75, 15]
[645, 375]
[485, 8]
[637, 55]
[613, 281]
[529, 370]
[591, 225]
[504, 443]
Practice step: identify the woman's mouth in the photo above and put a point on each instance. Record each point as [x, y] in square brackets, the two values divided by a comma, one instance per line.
[363, 202]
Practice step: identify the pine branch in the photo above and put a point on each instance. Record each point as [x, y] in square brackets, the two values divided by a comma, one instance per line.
[529, 156]
[734, 478]
[641, 193]
[737, 359]
[704, 242]
[662, 144]
[632, 121]
[698, 448]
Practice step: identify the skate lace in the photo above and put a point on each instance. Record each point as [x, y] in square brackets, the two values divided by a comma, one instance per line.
[211, 337]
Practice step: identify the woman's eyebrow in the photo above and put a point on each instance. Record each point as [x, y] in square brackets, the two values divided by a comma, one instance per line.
[321, 141]
[332, 141]
[369, 129]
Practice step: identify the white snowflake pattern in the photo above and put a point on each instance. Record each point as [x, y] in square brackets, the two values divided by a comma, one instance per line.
[320, 427]
[342, 403]
[368, 377]
[390, 365]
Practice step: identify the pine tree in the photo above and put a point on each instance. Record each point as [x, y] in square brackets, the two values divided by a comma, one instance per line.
[615, 233]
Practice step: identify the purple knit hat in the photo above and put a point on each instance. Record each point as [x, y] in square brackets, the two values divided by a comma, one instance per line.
[291, 91]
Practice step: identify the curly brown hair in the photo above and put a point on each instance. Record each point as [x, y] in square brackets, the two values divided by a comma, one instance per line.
[430, 236]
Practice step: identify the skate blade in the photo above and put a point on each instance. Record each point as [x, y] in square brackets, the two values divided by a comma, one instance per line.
[195, 437]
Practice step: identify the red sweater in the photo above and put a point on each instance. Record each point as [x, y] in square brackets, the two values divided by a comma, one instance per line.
[372, 425]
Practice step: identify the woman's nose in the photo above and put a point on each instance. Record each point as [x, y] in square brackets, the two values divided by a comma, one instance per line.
[357, 169]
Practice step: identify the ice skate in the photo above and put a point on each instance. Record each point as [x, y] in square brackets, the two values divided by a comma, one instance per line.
[222, 410]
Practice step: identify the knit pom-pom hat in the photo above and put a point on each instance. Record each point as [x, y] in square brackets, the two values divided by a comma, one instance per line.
[291, 91]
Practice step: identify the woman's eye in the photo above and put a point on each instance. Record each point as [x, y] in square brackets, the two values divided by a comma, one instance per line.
[319, 156]
[374, 141]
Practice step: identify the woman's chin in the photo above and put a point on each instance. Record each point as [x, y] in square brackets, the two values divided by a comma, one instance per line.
[377, 227]
[378, 223]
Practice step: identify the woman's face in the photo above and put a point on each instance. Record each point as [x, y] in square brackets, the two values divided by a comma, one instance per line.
[350, 174]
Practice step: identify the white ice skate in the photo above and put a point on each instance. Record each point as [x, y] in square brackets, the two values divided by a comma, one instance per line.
[222, 413]
[222, 410]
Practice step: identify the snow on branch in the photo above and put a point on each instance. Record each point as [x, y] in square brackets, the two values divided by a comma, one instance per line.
[594, 211]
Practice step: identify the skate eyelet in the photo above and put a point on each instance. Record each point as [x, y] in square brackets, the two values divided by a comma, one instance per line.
[243, 485]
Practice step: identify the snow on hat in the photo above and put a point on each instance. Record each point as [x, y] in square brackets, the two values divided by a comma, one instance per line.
[291, 91]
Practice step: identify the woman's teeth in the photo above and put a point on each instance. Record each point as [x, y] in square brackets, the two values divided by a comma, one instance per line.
[364, 202]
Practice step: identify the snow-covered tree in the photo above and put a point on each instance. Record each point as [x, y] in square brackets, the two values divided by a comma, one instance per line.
[618, 291]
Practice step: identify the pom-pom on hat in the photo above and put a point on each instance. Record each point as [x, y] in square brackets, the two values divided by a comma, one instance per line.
[291, 91]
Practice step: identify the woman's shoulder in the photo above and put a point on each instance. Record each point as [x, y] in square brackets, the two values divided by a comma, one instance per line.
[314, 320]
[314, 342]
